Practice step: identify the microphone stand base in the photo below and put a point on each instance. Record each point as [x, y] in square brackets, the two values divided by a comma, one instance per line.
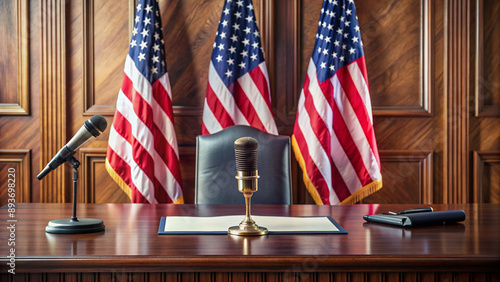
[79, 226]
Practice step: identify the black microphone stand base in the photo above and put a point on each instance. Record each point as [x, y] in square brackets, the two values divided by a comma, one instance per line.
[75, 225]
[80, 226]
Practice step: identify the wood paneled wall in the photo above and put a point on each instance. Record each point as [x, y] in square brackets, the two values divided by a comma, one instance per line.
[433, 68]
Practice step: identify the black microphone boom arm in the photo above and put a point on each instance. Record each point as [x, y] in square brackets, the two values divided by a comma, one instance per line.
[64, 155]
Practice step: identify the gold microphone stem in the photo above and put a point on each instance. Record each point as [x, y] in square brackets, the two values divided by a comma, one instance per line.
[247, 203]
[247, 227]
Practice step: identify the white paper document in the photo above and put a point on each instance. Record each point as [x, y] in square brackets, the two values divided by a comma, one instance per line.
[275, 224]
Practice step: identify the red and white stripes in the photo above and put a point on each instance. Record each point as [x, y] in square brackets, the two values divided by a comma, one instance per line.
[142, 152]
[246, 102]
[333, 136]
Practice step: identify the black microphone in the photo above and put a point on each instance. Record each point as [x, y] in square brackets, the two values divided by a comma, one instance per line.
[245, 150]
[93, 127]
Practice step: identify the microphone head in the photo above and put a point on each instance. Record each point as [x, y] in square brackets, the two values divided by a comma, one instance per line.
[245, 149]
[96, 125]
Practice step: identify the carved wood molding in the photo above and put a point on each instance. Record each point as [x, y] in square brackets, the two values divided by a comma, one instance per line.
[265, 22]
[22, 107]
[22, 158]
[424, 159]
[88, 63]
[424, 109]
[480, 81]
[482, 158]
[294, 43]
[89, 157]
[285, 73]
[457, 38]
[52, 96]
[131, 15]
[90, 107]
[254, 276]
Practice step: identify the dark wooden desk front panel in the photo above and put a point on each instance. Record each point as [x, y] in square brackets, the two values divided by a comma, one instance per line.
[130, 248]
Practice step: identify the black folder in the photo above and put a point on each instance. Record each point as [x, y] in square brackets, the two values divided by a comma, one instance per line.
[419, 219]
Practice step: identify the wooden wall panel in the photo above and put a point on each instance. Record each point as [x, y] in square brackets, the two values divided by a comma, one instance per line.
[15, 172]
[407, 177]
[105, 43]
[286, 83]
[7, 47]
[187, 156]
[95, 184]
[397, 48]
[456, 83]
[484, 133]
[54, 187]
[188, 47]
[487, 79]
[486, 185]
[19, 110]
[14, 66]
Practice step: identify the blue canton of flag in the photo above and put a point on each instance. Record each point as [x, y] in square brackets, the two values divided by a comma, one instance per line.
[147, 44]
[237, 47]
[238, 89]
[338, 40]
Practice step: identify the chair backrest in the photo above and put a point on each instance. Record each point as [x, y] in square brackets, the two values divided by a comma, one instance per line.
[215, 181]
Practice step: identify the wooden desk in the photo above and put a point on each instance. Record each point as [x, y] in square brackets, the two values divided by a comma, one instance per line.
[131, 249]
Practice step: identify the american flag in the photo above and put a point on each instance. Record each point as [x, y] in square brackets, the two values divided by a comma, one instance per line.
[333, 138]
[238, 84]
[142, 152]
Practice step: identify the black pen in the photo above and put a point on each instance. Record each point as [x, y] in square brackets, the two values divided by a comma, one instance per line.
[415, 210]
[410, 211]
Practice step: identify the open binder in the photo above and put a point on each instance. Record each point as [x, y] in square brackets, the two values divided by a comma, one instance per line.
[419, 219]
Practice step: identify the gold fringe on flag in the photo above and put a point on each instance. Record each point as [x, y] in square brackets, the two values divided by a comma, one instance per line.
[118, 180]
[180, 200]
[353, 199]
[368, 189]
[309, 186]
[124, 185]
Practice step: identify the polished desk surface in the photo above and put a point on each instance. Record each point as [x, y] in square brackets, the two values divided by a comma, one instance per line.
[131, 240]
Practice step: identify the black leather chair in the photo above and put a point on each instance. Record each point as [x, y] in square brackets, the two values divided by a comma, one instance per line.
[215, 181]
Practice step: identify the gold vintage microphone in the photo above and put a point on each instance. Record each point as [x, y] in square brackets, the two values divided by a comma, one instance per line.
[245, 149]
